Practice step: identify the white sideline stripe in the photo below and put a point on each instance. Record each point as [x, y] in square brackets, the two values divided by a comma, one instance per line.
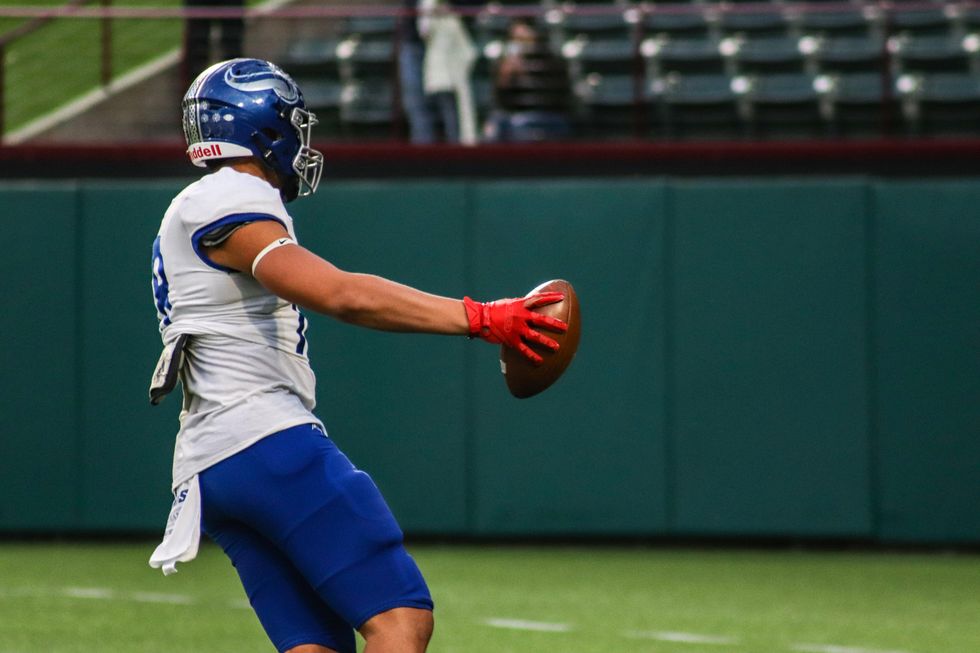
[524, 624]
[684, 638]
[835, 648]
[94, 97]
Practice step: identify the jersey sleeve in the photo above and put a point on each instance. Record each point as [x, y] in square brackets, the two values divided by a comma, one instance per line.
[226, 201]
[221, 234]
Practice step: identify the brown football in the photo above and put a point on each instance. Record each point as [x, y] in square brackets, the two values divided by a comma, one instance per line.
[525, 379]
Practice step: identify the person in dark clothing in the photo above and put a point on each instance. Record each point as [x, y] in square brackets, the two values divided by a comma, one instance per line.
[532, 90]
[411, 53]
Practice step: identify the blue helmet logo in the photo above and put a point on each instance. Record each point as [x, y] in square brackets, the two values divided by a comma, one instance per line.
[271, 79]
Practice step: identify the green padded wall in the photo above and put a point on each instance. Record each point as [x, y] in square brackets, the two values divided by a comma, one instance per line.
[760, 358]
[588, 455]
[768, 342]
[927, 325]
[127, 443]
[395, 403]
[40, 443]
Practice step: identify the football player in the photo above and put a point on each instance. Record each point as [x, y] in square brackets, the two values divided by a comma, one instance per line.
[317, 549]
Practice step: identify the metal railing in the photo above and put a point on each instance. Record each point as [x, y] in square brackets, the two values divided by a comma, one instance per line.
[39, 19]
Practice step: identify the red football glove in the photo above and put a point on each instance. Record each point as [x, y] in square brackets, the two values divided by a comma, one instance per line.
[509, 322]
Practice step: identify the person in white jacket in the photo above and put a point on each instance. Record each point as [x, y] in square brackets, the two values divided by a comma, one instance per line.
[449, 58]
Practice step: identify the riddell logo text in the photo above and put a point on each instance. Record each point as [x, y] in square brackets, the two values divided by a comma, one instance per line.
[200, 152]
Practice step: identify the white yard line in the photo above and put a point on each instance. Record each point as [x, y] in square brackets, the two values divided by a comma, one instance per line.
[524, 624]
[681, 637]
[836, 648]
[101, 593]
[106, 594]
[156, 597]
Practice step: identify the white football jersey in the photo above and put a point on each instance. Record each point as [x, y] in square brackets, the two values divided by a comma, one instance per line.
[246, 373]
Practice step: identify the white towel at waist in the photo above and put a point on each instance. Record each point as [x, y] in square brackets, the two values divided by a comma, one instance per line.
[183, 533]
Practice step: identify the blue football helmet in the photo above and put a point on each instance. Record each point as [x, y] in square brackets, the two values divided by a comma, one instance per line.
[250, 107]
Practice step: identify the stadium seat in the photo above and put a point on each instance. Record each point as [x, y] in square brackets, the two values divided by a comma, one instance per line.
[323, 97]
[753, 20]
[527, 127]
[940, 104]
[696, 106]
[367, 110]
[372, 28]
[859, 105]
[685, 56]
[311, 58]
[678, 21]
[491, 24]
[966, 19]
[849, 54]
[912, 53]
[595, 21]
[611, 105]
[607, 56]
[919, 19]
[364, 60]
[834, 20]
[783, 106]
[321, 94]
[767, 54]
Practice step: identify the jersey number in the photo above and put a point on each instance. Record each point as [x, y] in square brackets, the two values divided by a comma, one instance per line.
[161, 289]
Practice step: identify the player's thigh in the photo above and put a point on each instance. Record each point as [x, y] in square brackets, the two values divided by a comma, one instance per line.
[292, 614]
[329, 518]
[345, 539]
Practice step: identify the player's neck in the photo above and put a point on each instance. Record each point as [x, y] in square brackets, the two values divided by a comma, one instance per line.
[256, 169]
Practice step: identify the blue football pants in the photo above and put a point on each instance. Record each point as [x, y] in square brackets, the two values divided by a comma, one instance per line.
[314, 543]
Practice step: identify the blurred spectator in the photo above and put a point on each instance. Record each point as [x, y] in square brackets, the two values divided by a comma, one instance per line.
[418, 108]
[532, 90]
[449, 58]
[197, 38]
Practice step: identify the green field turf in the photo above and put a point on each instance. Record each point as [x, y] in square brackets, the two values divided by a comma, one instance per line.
[103, 598]
[62, 60]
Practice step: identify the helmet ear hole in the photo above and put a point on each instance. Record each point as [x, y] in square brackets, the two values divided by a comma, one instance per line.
[271, 134]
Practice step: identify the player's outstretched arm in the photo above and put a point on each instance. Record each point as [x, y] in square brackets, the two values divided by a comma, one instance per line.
[301, 277]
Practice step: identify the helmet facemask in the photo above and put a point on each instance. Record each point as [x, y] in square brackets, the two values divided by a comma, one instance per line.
[308, 163]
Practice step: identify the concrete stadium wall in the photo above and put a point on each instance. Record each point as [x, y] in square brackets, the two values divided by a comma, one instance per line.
[760, 358]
